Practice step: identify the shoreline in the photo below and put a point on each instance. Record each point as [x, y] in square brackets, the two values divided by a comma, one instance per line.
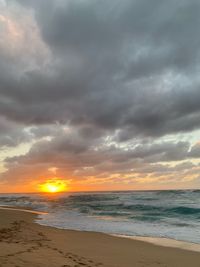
[24, 210]
[158, 241]
[24, 242]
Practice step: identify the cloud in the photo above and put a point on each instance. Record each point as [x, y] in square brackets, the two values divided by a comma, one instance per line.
[195, 151]
[127, 68]
[78, 157]
[88, 78]
[12, 134]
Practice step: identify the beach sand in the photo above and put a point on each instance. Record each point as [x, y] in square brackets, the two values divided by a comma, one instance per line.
[25, 243]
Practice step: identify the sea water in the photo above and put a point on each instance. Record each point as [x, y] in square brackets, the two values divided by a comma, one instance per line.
[170, 214]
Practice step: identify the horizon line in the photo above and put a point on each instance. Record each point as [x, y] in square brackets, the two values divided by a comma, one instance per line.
[102, 191]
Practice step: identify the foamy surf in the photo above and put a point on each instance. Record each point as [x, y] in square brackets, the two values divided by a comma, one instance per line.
[160, 214]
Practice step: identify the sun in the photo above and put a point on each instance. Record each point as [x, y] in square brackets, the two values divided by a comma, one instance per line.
[53, 186]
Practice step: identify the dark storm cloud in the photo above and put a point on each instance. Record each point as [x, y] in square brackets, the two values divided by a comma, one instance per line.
[109, 64]
[195, 151]
[12, 134]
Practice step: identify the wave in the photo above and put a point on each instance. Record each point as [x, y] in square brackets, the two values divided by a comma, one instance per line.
[171, 213]
[103, 204]
[141, 206]
[196, 191]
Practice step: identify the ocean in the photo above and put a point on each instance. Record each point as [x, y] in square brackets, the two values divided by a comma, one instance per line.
[170, 214]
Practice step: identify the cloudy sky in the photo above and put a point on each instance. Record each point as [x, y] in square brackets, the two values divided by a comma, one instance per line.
[104, 95]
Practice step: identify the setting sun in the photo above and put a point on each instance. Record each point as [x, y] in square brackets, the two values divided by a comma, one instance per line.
[53, 186]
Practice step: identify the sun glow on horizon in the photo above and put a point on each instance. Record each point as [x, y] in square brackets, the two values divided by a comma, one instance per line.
[53, 186]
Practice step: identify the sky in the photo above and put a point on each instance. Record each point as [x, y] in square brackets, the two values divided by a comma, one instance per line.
[99, 95]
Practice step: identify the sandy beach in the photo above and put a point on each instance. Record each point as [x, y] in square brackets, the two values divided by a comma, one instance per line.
[25, 243]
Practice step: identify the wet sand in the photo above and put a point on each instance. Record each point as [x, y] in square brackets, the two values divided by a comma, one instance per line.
[25, 243]
[165, 242]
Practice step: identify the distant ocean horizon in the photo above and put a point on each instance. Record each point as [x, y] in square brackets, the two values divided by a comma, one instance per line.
[171, 214]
